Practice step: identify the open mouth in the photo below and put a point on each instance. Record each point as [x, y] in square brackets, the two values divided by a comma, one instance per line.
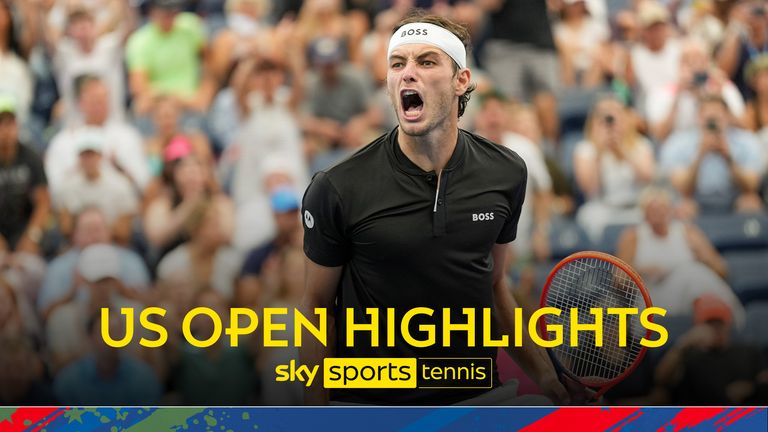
[412, 103]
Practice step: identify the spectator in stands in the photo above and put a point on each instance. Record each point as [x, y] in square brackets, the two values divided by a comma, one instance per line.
[614, 56]
[338, 100]
[746, 37]
[97, 283]
[611, 166]
[186, 182]
[24, 200]
[699, 20]
[321, 19]
[97, 185]
[269, 130]
[675, 259]
[61, 284]
[247, 33]
[284, 278]
[16, 42]
[207, 254]
[168, 131]
[220, 374]
[107, 375]
[521, 57]
[89, 48]
[285, 210]
[123, 148]
[166, 56]
[706, 367]
[756, 115]
[674, 107]
[22, 375]
[655, 61]
[579, 37]
[715, 167]
[517, 129]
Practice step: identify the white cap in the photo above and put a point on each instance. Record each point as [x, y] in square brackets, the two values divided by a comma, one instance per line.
[99, 261]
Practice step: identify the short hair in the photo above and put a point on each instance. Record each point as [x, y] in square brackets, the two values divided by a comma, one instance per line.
[79, 14]
[459, 30]
[81, 81]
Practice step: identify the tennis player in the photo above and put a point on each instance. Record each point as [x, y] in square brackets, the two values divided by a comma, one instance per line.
[420, 217]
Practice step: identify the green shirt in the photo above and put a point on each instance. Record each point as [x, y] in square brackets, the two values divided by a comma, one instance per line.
[172, 60]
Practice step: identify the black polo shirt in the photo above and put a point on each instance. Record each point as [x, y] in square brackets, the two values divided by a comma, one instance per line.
[406, 243]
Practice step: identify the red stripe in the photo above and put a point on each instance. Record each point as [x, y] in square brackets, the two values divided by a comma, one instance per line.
[689, 417]
[585, 418]
[743, 413]
[30, 416]
[48, 420]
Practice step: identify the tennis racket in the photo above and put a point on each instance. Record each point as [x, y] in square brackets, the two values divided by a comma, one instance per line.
[588, 280]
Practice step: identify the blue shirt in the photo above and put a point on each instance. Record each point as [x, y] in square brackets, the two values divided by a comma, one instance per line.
[715, 189]
[58, 277]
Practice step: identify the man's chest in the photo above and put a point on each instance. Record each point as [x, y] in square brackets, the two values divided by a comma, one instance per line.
[403, 221]
[15, 179]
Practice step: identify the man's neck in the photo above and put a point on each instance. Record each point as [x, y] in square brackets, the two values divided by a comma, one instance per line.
[430, 152]
[95, 122]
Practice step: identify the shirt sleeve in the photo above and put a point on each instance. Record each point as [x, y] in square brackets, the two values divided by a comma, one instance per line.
[509, 230]
[38, 172]
[325, 241]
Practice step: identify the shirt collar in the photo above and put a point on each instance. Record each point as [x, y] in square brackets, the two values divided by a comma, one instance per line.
[404, 164]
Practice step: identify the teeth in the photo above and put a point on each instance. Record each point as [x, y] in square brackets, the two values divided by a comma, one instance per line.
[409, 93]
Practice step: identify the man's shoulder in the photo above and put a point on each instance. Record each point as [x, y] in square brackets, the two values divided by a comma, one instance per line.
[490, 154]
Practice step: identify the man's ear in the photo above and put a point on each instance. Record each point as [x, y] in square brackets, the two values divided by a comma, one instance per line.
[463, 81]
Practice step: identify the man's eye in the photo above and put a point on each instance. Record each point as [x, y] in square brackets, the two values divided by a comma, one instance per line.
[428, 63]
[397, 65]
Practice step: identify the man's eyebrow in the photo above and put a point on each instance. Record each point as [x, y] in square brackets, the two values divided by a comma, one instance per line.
[418, 57]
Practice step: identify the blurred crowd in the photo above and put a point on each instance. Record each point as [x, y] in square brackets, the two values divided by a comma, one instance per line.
[154, 153]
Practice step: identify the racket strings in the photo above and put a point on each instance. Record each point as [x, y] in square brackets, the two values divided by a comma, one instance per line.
[588, 283]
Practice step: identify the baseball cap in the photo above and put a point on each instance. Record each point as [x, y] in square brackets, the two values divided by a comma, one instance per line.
[7, 104]
[178, 148]
[651, 12]
[709, 307]
[90, 140]
[325, 50]
[99, 261]
[283, 200]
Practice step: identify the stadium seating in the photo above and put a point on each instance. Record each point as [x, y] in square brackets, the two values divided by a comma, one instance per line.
[736, 231]
[610, 239]
[747, 274]
[756, 324]
[567, 237]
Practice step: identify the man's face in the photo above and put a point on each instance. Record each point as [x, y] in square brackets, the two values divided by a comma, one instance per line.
[164, 18]
[90, 162]
[83, 30]
[91, 228]
[94, 102]
[713, 113]
[423, 87]
[656, 35]
[9, 131]
[493, 118]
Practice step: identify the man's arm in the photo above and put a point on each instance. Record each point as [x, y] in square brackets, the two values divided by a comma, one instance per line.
[320, 292]
[531, 357]
[30, 243]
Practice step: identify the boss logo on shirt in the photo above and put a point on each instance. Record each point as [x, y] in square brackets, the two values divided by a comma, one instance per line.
[414, 32]
[482, 217]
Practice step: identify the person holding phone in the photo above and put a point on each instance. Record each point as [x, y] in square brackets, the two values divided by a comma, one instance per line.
[611, 166]
[730, 157]
[674, 107]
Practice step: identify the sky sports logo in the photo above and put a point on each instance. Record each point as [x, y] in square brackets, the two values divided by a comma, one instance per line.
[396, 373]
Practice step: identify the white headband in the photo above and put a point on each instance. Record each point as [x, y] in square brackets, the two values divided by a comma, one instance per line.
[430, 34]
